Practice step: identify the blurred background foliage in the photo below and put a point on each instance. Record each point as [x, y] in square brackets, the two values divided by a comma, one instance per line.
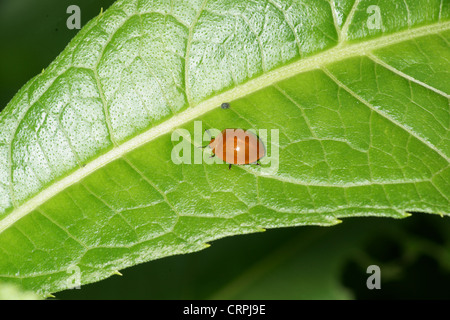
[293, 263]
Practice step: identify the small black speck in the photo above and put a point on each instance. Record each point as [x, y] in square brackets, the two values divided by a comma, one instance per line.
[225, 105]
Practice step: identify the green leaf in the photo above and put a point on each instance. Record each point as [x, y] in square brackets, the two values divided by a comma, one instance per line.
[87, 182]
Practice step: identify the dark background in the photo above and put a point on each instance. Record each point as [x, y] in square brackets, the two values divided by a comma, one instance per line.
[288, 263]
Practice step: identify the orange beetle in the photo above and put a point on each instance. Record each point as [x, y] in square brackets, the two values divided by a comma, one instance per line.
[236, 146]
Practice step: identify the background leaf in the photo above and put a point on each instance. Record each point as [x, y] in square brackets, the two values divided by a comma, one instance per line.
[315, 177]
[13, 292]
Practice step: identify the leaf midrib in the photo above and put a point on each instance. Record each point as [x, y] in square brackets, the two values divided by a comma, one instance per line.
[340, 52]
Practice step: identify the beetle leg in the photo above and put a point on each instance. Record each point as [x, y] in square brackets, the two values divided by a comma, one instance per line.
[229, 167]
[212, 156]
[257, 163]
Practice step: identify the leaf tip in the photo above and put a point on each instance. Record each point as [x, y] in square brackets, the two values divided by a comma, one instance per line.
[407, 215]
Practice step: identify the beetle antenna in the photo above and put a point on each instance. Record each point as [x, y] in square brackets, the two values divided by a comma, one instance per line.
[209, 133]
